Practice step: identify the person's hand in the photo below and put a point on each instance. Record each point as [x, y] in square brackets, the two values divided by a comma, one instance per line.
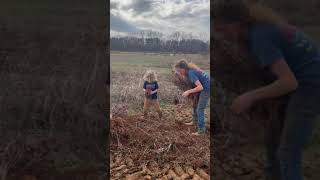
[242, 103]
[186, 94]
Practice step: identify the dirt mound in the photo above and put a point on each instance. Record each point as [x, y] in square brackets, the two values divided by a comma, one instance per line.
[160, 140]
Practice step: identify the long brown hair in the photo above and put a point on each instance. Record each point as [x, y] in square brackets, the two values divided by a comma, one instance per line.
[229, 11]
[183, 64]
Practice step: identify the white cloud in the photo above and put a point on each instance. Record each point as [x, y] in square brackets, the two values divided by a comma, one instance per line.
[166, 16]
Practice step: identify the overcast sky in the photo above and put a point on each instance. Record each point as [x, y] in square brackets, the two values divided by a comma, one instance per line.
[166, 16]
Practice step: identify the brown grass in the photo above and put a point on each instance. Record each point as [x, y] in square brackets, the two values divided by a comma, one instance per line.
[127, 90]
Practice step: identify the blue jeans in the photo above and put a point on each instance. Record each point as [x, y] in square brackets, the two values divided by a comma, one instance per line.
[288, 133]
[198, 110]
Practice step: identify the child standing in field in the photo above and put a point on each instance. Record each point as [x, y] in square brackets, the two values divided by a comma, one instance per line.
[150, 88]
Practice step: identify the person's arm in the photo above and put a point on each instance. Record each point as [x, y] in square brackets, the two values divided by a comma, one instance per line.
[270, 56]
[156, 89]
[284, 84]
[195, 80]
[198, 87]
[152, 92]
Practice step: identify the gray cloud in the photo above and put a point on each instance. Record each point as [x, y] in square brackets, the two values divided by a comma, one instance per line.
[181, 14]
[167, 16]
[140, 6]
[121, 25]
[114, 5]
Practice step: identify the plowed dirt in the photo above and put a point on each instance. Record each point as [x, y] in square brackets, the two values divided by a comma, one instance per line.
[153, 148]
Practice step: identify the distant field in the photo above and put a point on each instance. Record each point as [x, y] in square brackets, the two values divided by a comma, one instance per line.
[162, 63]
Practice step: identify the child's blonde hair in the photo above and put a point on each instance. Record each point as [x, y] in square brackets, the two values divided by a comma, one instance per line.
[150, 76]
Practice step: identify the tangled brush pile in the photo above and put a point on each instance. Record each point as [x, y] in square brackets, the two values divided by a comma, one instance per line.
[136, 138]
[183, 84]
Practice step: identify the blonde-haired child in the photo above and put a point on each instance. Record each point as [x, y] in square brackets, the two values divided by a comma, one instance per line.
[150, 88]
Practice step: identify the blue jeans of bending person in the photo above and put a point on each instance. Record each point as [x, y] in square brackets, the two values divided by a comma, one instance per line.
[198, 110]
[288, 133]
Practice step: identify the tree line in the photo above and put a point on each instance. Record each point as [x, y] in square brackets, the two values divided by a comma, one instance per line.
[154, 42]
